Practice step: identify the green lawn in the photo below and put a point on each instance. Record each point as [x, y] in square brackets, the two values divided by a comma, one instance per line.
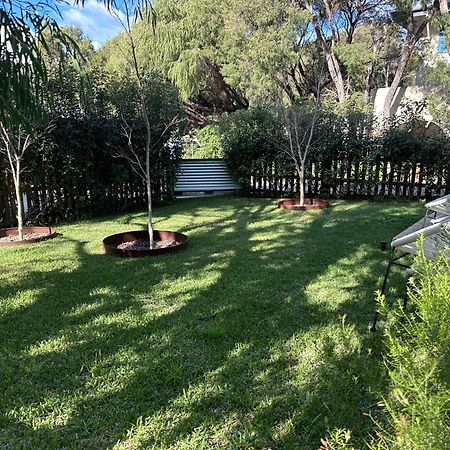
[255, 337]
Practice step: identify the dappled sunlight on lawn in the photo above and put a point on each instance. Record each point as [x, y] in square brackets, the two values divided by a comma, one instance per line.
[255, 336]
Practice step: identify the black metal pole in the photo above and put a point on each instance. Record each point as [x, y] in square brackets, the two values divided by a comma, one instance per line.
[373, 328]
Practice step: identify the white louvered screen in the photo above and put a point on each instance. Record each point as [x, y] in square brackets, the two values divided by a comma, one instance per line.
[204, 175]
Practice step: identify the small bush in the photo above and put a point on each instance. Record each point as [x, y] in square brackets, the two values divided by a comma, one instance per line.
[418, 405]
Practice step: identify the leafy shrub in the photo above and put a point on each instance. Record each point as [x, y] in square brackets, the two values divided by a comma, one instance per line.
[418, 405]
[250, 139]
[344, 136]
[254, 138]
[400, 144]
[204, 143]
[410, 139]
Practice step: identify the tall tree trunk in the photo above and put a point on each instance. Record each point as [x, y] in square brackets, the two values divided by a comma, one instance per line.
[283, 82]
[368, 81]
[404, 58]
[411, 41]
[371, 64]
[293, 75]
[333, 65]
[226, 98]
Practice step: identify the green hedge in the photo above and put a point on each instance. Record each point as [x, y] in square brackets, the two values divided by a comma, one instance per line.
[250, 139]
[253, 139]
[73, 169]
[73, 172]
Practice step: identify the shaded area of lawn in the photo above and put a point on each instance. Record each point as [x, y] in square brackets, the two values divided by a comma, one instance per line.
[255, 337]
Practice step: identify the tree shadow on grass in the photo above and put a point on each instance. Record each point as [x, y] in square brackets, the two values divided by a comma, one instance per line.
[238, 342]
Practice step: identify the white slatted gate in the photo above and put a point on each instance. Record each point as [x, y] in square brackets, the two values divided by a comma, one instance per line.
[208, 176]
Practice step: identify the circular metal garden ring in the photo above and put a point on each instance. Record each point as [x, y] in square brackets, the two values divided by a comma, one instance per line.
[111, 243]
[46, 232]
[309, 204]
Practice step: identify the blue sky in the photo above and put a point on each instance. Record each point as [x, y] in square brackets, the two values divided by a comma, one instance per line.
[97, 23]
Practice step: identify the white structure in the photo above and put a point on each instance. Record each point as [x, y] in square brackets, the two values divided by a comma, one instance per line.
[435, 230]
[204, 176]
[434, 227]
[434, 48]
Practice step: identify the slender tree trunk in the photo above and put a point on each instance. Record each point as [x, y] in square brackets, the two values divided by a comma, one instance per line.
[370, 65]
[368, 81]
[148, 179]
[301, 188]
[19, 201]
[387, 74]
[151, 238]
[404, 58]
[148, 137]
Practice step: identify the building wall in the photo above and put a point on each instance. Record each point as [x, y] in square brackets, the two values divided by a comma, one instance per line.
[433, 47]
[403, 95]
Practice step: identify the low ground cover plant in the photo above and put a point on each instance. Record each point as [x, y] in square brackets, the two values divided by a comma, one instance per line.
[418, 360]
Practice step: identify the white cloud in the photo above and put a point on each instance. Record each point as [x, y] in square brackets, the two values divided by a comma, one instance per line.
[96, 21]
